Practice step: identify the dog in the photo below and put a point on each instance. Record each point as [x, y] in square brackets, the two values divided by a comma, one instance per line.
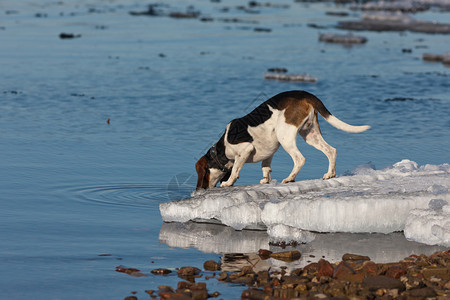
[257, 136]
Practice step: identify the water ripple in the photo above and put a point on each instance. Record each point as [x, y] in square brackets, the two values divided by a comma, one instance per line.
[122, 194]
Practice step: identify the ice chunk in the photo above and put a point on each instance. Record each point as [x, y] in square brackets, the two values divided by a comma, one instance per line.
[437, 204]
[290, 77]
[438, 189]
[406, 166]
[369, 201]
[429, 226]
[280, 233]
[365, 169]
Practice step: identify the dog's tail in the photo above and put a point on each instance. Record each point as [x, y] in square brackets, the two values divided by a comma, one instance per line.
[335, 122]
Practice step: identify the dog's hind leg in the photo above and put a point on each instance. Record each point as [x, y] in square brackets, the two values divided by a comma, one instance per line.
[239, 161]
[314, 138]
[287, 136]
[266, 169]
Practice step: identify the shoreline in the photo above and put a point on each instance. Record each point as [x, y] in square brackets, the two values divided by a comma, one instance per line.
[354, 277]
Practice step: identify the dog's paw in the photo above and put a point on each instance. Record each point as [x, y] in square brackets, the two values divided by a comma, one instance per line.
[225, 184]
[287, 180]
[328, 176]
[265, 181]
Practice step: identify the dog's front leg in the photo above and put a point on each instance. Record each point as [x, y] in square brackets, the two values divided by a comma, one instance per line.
[239, 162]
[266, 170]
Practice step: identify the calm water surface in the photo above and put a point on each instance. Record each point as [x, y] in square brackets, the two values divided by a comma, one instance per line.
[75, 186]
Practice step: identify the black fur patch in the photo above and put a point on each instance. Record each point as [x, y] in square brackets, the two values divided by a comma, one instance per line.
[238, 132]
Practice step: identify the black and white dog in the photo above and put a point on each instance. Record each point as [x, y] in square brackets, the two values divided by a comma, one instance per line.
[258, 135]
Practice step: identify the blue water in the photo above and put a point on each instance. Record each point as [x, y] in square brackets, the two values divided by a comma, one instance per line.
[74, 185]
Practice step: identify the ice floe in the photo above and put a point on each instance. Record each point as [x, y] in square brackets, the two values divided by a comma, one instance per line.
[290, 77]
[368, 200]
[387, 21]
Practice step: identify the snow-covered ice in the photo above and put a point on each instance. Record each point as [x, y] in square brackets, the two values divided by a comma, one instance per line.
[430, 226]
[368, 200]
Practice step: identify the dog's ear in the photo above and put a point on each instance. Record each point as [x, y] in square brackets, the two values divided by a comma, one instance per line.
[226, 176]
[203, 173]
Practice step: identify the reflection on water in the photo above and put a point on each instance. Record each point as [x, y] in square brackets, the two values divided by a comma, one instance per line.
[212, 238]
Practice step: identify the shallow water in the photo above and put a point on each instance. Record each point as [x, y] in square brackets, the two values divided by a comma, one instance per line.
[74, 185]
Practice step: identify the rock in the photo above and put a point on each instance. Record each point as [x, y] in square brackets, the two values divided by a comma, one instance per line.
[255, 294]
[325, 269]
[174, 296]
[311, 268]
[277, 70]
[379, 282]
[165, 289]
[345, 272]
[369, 268]
[354, 257]
[439, 272]
[184, 15]
[261, 29]
[425, 292]
[287, 256]
[264, 254]
[161, 271]
[223, 276]
[342, 38]
[211, 265]
[396, 272]
[189, 273]
[394, 23]
[263, 277]
[444, 58]
[69, 36]
[130, 271]
[196, 291]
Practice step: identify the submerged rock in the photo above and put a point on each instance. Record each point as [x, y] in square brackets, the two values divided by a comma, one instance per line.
[130, 271]
[287, 256]
[394, 22]
[211, 265]
[402, 6]
[444, 58]
[69, 35]
[354, 257]
[342, 38]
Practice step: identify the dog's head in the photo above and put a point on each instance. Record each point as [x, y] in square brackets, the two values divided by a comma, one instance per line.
[203, 173]
[208, 176]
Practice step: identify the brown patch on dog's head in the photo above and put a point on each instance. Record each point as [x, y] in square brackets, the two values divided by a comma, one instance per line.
[203, 173]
